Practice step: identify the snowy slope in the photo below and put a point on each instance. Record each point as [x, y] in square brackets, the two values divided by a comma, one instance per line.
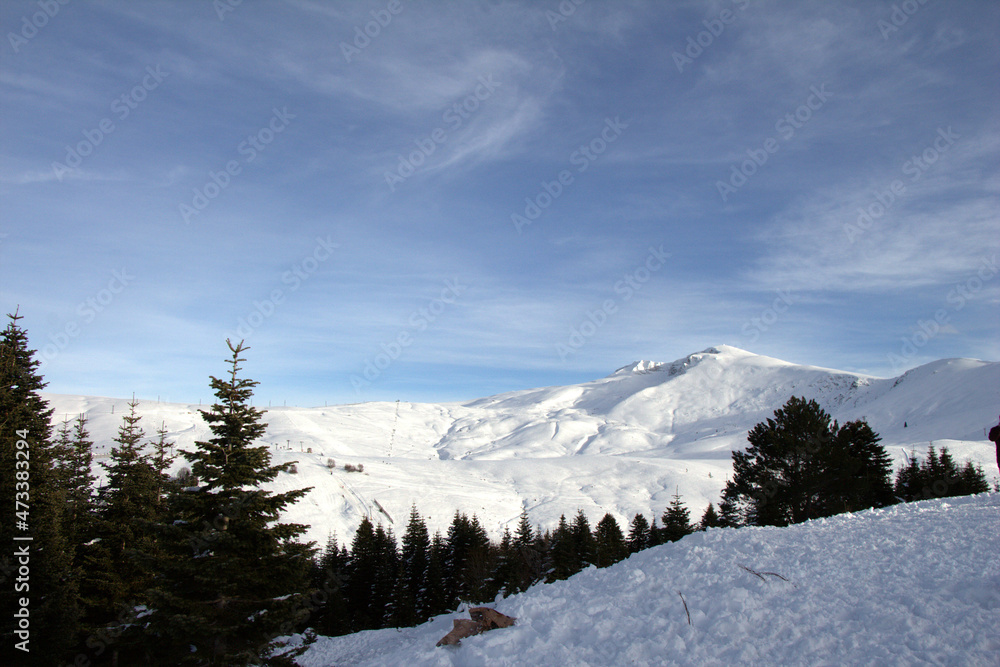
[908, 585]
[624, 443]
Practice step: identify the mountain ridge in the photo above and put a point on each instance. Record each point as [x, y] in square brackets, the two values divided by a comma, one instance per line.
[623, 443]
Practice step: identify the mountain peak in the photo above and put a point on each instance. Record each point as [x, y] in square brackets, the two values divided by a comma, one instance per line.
[680, 365]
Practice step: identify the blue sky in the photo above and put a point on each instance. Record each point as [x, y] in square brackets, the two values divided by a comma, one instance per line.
[440, 201]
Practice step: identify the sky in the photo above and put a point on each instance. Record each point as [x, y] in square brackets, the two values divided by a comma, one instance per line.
[429, 201]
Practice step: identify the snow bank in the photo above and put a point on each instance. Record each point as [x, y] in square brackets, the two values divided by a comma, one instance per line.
[907, 585]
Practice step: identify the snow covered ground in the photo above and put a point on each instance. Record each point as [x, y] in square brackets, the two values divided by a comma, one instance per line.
[914, 584]
[621, 444]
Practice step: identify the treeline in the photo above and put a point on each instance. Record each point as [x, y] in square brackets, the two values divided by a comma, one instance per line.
[198, 570]
[377, 584]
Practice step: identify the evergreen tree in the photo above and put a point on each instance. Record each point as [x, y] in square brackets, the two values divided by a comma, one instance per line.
[362, 569]
[411, 593]
[127, 513]
[638, 534]
[33, 507]
[529, 556]
[438, 597]
[655, 534]
[561, 556]
[231, 578]
[74, 458]
[710, 519]
[801, 465]
[908, 480]
[584, 547]
[469, 563]
[161, 461]
[971, 480]
[386, 572]
[505, 573]
[332, 617]
[676, 521]
[857, 471]
[938, 476]
[609, 542]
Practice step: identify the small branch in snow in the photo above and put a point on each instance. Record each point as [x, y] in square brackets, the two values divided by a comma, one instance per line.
[753, 572]
[761, 574]
[685, 607]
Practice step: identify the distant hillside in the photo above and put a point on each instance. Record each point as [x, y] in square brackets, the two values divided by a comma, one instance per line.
[624, 443]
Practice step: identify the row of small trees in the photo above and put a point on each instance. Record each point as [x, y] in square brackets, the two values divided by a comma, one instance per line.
[376, 584]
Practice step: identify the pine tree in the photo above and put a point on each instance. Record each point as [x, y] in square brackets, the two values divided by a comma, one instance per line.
[33, 507]
[469, 561]
[74, 457]
[362, 569]
[386, 572]
[638, 534]
[528, 554]
[561, 553]
[332, 617]
[505, 572]
[609, 542]
[801, 465]
[119, 560]
[676, 521]
[438, 597]
[584, 547]
[908, 480]
[857, 471]
[232, 579]
[937, 476]
[710, 519]
[411, 592]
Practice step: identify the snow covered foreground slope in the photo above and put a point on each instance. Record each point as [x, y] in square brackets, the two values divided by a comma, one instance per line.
[623, 444]
[907, 585]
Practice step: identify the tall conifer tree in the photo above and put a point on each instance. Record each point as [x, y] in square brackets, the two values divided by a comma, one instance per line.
[34, 528]
[610, 542]
[232, 578]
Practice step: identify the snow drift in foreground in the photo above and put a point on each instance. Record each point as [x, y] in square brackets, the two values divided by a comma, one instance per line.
[906, 585]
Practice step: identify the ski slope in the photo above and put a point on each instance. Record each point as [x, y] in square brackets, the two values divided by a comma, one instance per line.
[915, 584]
[623, 444]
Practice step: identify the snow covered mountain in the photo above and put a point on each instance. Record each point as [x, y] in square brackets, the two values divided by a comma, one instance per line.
[621, 444]
[914, 584]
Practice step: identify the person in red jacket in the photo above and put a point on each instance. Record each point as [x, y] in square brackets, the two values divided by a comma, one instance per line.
[995, 437]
